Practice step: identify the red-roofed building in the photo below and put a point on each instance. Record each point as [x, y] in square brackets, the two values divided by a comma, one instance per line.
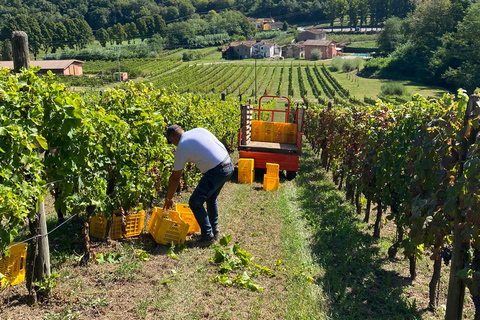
[312, 34]
[328, 48]
[63, 67]
[238, 50]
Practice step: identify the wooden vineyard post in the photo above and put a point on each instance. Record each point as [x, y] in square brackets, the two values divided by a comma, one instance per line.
[456, 286]
[40, 257]
[20, 55]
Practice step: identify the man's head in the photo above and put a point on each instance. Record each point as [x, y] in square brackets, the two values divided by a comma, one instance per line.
[174, 132]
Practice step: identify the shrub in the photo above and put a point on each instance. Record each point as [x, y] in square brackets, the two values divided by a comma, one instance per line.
[348, 65]
[393, 89]
[337, 62]
[316, 55]
[188, 56]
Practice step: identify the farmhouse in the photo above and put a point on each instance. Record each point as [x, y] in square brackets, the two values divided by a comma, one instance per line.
[264, 24]
[312, 34]
[328, 48]
[238, 50]
[296, 50]
[264, 49]
[62, 67]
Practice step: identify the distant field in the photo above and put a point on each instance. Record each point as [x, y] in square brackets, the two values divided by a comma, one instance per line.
[212, 75]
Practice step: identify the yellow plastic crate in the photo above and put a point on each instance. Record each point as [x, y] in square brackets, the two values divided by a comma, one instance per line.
[246, 176]
[279, 132]
[98, 226]
[13, 267]
[134, 224]
[270, 183]
[291, 133]
[257, 129]
[188, 217]
[268, 131]
[166, 231]
[170, 214]
[245, 164]
[273, 169]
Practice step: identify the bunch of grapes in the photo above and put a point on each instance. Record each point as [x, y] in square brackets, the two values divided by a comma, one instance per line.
[158, 180]
[446, 254]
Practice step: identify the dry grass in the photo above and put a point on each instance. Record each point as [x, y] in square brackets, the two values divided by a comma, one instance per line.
[178, 288]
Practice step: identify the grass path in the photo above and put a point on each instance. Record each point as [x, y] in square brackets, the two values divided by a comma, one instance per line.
[325, 262]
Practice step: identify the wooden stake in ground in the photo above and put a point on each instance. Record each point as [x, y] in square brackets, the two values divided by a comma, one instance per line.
[20, 55]
[40, 266]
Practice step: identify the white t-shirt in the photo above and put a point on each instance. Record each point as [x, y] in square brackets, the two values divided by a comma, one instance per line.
[201, 147]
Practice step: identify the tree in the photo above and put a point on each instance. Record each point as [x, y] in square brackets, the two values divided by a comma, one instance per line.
[457, 60]
[430, 21]
[59, 37]
[48, 29]
[285, 26]
[84, 35]
[7, 50]
[160, 26]
[391, 36]
[353, 13]
[236, 23]
[131, 31]
[142, 28]
[72, 32]
[181, 33]
[102, 36]
[98, 18]
[335, 9]
[34, 36]
[156, 42]
[118, 33]
[172, 13]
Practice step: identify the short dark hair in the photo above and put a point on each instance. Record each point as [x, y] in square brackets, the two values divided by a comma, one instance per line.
[171, 129]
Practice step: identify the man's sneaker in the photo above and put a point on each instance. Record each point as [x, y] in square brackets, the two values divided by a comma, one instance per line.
[203, 242]
[216, 235]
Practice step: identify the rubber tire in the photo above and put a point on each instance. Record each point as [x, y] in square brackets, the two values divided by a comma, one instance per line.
[291, 175]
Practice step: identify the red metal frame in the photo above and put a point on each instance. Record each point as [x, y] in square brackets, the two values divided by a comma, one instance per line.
[288, 162]
[287, 112]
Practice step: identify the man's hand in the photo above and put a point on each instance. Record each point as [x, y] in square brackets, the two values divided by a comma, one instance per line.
[168, 205]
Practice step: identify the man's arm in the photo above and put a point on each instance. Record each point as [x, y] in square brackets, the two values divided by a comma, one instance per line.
[173, 182]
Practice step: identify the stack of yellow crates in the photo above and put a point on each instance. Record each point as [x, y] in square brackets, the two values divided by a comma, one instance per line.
[268, 131]
[271, 180]
[291, 133]
[280, 133]
[246, 171]
[257, 130]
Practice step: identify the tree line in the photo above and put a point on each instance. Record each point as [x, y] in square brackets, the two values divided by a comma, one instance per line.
[436, 44]
[56, 24]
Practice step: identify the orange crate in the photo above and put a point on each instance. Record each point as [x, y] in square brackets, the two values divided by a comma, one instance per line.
[279, 132]
[268, 131]
[291, 133]
[98, 226]
[245, 164]
[13, 266]
[246, 176]
[273, 169]
[188, 217]
[134, 225]
[270, 183]
[166, 231]
[257, 130]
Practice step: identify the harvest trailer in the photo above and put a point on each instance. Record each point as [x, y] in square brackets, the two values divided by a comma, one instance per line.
[271, 136]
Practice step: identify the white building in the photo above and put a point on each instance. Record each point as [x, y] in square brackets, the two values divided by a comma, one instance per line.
[265, 49]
